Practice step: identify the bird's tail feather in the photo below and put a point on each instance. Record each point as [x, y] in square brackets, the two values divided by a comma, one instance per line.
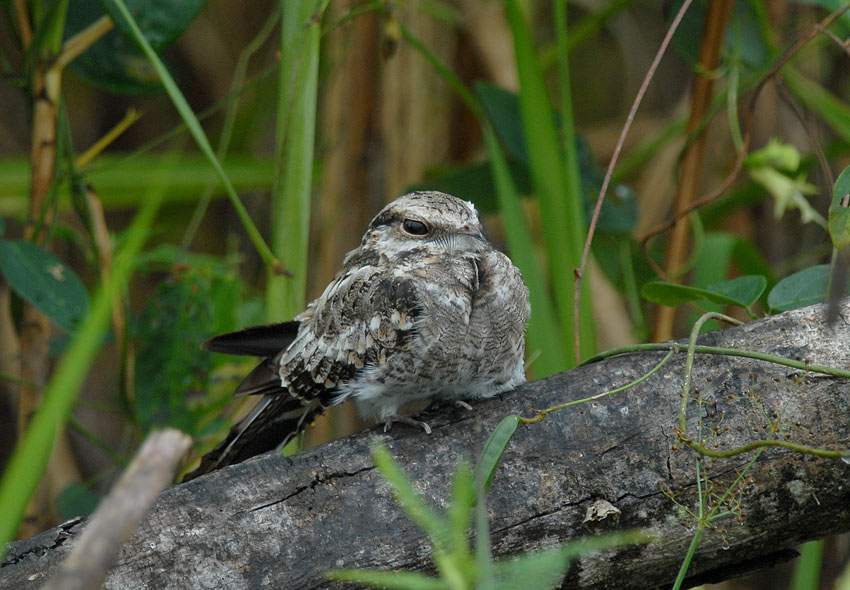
[273, 422]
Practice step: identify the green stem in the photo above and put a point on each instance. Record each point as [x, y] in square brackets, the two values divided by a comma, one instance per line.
[198, 134]
[759, 444]
[229, 122]
[296, 132]
[683, 569]
[540, 414]
[30, 456]
[761, 356]
[689, 363]
[583, 335]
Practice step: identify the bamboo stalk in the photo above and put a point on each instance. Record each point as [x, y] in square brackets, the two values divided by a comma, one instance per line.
[716, 21]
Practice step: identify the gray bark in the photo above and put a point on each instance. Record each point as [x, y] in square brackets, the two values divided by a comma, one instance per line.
[281, 522]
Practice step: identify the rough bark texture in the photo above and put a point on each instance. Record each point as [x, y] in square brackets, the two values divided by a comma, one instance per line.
[280, 522]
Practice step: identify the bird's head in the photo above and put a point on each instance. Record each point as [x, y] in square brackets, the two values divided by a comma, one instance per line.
[428, 221]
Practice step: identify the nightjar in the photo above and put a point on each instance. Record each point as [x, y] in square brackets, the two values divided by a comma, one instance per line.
[424, 308]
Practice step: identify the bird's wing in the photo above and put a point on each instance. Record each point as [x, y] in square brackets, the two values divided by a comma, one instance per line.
[363, 317]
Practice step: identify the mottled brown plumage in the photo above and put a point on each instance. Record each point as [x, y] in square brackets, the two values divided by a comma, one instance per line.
[424, 308]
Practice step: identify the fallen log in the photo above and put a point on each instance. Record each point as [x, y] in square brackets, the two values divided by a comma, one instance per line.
[610, 464]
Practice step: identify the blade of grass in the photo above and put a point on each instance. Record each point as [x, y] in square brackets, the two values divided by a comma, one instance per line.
[29, 458]
[561, 207]
[826, 105]
[296, 128]
[412, 504]
[483, 554]
[807, 566]
[227, 127]
[543, 336]
[583, 333]
[543, 331]
[198, 134]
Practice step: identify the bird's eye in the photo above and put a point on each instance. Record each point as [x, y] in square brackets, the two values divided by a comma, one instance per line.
[414, 227]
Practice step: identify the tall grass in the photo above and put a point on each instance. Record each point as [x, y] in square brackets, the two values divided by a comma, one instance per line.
[295, 138]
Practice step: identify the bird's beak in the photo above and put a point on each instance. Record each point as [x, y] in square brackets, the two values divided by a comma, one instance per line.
[469, 238]
[473, 231]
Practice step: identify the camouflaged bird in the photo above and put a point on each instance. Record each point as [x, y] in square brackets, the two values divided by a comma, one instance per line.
[424, 308]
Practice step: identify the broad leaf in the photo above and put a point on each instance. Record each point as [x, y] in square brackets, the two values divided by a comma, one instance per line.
[745, 290]
[803, 288]
[672, 294]
[46, 282]
[502, 108]
[169, 365]
[76, 500]
[114, 62]
[839, 211]
[494, 448]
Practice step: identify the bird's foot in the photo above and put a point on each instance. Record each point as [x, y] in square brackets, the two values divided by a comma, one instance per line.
[436, 404]
[406, 420]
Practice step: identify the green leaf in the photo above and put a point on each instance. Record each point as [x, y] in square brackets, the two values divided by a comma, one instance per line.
[744, 36]
[543, 569]
[672, 294]
[834, 112]
[540, 570]
[776, 154]
[76, 500]
[459, 512]
[45, 282]
[494, 448]
[169, 366]
[839, 211]
[502, 108]
[161, 21]
[2, 226]
[788, 193]
[114, 62]
[803, 288]
[388, 580]
[412, 504]
[744, 290]
[750, 261]
[483, 554]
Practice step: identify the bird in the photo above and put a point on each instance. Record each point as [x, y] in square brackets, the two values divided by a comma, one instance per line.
[425, 308]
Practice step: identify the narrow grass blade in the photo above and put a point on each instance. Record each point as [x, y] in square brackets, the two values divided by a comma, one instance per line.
[459, 512]
[412, 504]
[29, 458]
[561, 206]
[543, 337]
[197, 132]
[296, 130]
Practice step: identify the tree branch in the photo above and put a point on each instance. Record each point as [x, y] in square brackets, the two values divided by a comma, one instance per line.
[283, 521]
